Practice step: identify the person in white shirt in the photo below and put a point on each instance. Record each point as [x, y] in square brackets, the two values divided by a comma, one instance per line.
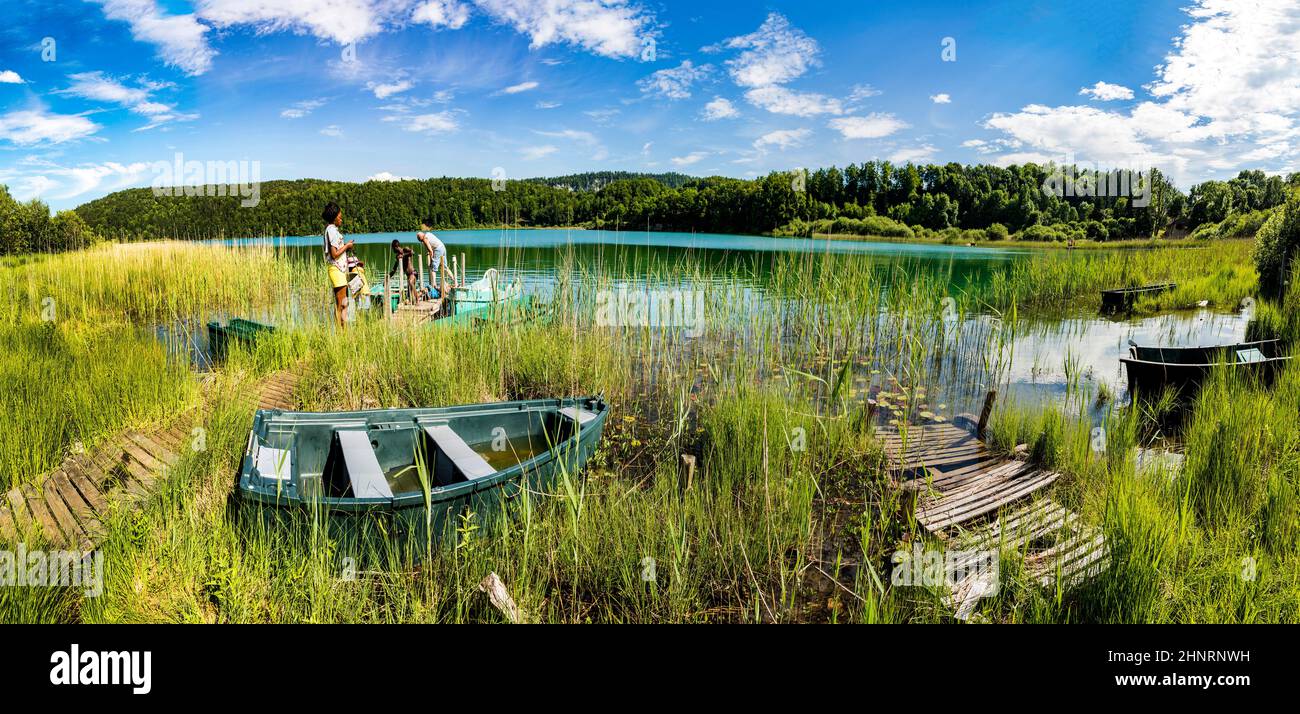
[336, 266]
[437, 257]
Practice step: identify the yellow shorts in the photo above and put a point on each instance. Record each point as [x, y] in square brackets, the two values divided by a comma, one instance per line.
[337, 278]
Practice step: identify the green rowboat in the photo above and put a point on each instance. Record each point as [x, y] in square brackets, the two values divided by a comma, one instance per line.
[386, 463]
[246, 331]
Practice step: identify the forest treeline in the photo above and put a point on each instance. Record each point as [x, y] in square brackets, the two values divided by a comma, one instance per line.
[876, 198]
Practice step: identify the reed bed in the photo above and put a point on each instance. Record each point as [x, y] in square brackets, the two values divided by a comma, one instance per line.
[789, 517]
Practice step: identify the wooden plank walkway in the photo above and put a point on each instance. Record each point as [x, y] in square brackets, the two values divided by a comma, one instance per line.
[978, 500]
[66, 508]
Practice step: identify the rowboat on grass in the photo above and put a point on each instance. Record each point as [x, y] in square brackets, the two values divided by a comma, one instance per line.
[1123, 298]
[475, 457]
[1152, 369]
[245, 331]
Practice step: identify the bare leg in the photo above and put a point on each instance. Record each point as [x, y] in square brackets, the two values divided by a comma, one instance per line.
[340, 304]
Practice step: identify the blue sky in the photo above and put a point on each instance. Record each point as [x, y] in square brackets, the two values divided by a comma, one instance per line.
[94, 93]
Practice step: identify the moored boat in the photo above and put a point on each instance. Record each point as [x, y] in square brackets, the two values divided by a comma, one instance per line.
[1123, 298]
[1152, 369]
[417, 468]
[246, 331]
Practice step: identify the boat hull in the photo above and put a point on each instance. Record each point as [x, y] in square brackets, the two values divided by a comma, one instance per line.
[539, 447]
[1151, 370]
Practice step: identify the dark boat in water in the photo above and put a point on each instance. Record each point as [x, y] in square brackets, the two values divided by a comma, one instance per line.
[246, 331]
[1123, 298]
[415, 468]
[1152, 369]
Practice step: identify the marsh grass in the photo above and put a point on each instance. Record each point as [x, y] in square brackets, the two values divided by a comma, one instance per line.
[790, 515]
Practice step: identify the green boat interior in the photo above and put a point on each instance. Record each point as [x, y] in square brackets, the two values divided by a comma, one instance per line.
[382, 454]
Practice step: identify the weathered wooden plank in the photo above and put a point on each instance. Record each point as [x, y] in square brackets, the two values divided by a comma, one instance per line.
[80, 508]
[1023, 487]
[8, 528]
[18, 510]
[62, 514]
[41, 515]
[149, 445]
[92, 495]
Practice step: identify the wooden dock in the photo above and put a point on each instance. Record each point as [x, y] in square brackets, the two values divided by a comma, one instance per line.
[66, 509]
[973, 499]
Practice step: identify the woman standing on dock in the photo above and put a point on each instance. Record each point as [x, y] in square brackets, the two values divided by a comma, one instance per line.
[336, 260]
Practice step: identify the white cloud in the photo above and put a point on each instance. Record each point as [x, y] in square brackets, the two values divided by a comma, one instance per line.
[181, 40]
[782, 139]
[387, 176]
[521, 87]
[435, 123]
[674, 83]
[719, 108]
[586, 138]
[692, 158]
[610, 28]
[9, 76]
[52, 181]
[775, 53]
[603, 116]
[546, 105]
[1105, 92]
[532, 153]
[98, 87]
[915, 155]
[384, 90]
[872, 126]
[645, 149]
[780, 100]
[863, 91]
[1228, 87]
[301, 109]
[941, 98]
[442, 13]
[31, 126]
[342, 21]
[333, 130]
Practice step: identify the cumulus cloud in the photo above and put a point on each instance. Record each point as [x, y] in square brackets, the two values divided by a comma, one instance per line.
[690, 159]
[941, 98]
[719, 108]
[780, 100]
[9, 76]
[775, 53]
[387, 176]
[610, 28]
[1227, 88]
[384, 90]
[30, 127]
[1105, 92]
[333, 130]
[782, 139]
[442, 13]
[674, 83]
[181, 40]
[872, 126]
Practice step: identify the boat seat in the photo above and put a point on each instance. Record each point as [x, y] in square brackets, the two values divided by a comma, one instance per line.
[577, 414]
[463, 459]
[363, 466]
[274, 464]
